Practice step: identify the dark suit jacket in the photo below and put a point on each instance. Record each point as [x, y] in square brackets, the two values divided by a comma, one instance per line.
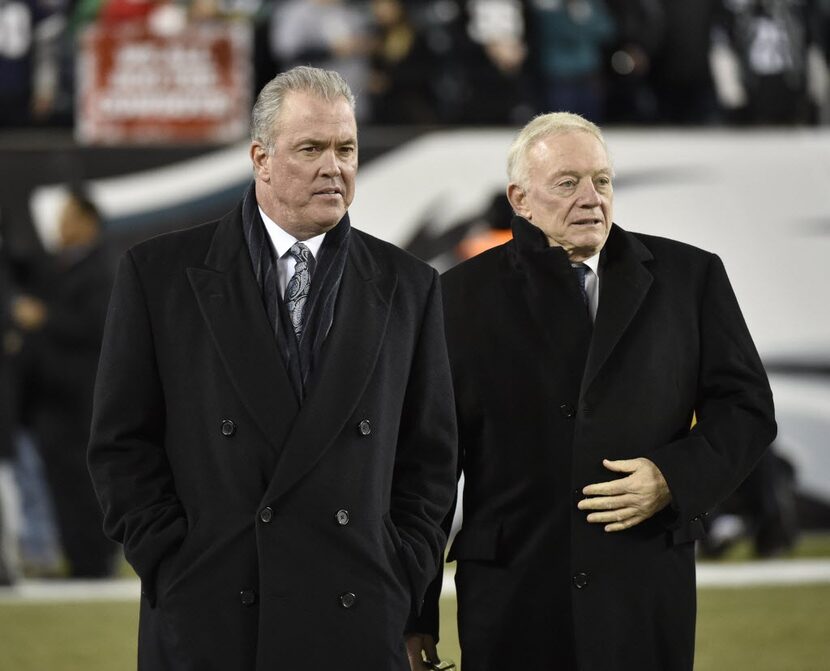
[269, 535]
[541, 401]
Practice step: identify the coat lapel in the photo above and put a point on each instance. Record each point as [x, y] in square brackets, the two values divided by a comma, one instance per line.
[231, 304]
[539, 282]
[340, 377]
[624, 283]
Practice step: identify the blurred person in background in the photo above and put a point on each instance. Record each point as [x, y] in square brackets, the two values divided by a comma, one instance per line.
[403, 68]
[60, 321]
[30, 32]
[567, 41]
[274, 434]
[479, 55]
[781, 55]
[28, 536]
[580, 353]
[488, 230]
[681, 73]
[38, 541]
[629, 57]
[498, 63]
[443, 26]
[329, 34]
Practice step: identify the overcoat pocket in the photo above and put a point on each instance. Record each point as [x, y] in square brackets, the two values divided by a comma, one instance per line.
[478, 541]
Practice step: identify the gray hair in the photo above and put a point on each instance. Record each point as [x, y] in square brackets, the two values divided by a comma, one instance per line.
[538, 129]
[326, 84]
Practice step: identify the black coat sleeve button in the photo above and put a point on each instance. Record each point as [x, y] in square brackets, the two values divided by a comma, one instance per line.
[348, 599]
[567, 410]
[247, 597]
[228, 427]
[342, 517]
[266, 514]
[365, 427]
[580, 580]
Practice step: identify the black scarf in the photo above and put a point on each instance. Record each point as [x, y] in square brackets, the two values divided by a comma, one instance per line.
[299, 357]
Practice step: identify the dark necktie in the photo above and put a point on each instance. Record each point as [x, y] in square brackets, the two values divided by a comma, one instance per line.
[581, 271]
[296, 293]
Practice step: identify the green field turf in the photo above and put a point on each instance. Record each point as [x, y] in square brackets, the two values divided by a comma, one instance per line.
[92, 636]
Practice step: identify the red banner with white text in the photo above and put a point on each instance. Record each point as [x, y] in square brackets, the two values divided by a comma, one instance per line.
[138, 87]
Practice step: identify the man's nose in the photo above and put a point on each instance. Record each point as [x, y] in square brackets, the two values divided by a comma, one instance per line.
[330, 165]
[588, 195]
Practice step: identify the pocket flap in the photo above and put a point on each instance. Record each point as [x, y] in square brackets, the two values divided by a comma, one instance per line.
[691, 531]
[477, 541]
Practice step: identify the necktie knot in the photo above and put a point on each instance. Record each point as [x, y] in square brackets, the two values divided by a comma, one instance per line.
[581, 271]
[300, 252]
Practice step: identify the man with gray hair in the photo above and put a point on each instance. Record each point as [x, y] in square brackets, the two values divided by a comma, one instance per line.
[274, 436]
[608, 395]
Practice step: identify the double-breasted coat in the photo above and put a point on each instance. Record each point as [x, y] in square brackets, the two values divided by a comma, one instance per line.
[543, 397]
[269, 534]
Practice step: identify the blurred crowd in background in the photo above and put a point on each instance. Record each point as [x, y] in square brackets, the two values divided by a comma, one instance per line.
[475, 61]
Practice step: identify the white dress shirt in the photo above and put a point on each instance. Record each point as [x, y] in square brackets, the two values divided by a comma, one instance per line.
[282, 242]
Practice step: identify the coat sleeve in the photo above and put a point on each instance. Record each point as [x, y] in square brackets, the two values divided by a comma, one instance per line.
[126, 456]
[424, 481]
[733, 407]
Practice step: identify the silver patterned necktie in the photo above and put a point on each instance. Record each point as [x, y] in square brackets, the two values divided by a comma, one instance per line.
[296, 293]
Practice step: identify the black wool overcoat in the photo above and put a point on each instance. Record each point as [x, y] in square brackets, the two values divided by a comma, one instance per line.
[543, 397]
[269, 534]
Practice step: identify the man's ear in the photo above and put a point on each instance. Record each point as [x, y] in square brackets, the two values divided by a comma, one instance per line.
[518, 200]
[259, 157]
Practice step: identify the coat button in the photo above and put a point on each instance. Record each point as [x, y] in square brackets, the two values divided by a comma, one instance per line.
[567, 410]
[348, 599]
[247, 597]
[365, 427]
[580, 580]
[228, 427]
[266, 514]
[342, 517]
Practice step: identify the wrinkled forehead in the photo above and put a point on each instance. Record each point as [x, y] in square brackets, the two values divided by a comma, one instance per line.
[569, 136]
[574, 148]
[305, 108]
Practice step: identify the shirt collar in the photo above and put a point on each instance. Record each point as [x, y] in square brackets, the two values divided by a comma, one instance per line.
[593, 263]
[283, 240]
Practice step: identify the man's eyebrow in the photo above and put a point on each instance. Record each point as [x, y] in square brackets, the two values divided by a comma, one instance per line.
[308, 140]
[572, 171]
[319, 142]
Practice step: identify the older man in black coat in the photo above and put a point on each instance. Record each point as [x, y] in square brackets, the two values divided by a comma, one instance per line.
[581, 356]
[274, 438]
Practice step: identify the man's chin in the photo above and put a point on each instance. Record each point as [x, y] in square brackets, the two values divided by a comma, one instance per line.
[590, 245]
[324, 224]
